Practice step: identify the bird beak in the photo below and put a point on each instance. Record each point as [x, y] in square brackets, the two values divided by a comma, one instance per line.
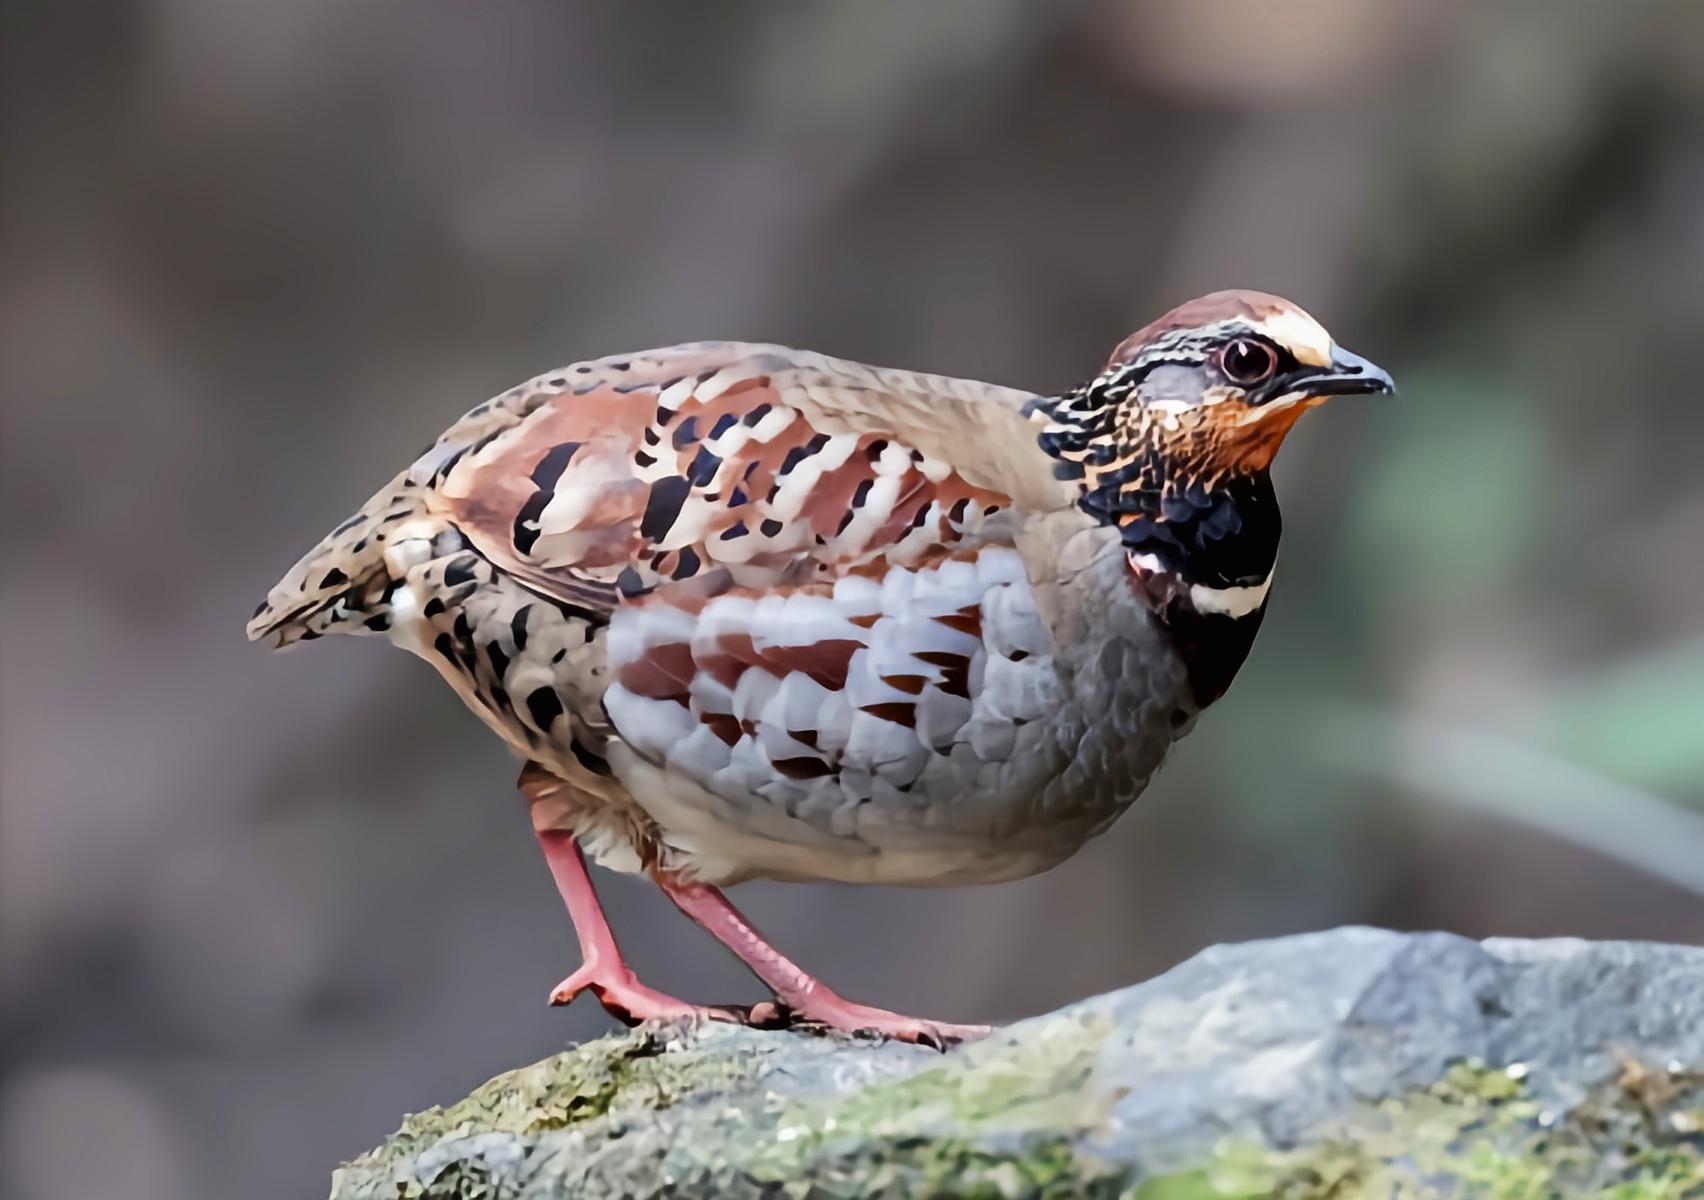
[1350, 375]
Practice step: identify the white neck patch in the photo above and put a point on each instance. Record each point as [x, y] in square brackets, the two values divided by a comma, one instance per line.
[1233, 602]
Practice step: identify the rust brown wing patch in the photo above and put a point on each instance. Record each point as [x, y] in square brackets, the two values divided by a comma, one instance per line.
[710, 466]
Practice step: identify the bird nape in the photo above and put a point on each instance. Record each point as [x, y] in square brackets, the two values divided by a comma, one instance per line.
[751, 612]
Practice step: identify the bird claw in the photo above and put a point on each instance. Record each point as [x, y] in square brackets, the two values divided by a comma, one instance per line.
[834, 1013]
[632, 1003]
[936, 1035]
[770, 1014]
[564, 992]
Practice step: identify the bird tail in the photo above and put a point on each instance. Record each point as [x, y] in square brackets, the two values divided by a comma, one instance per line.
[344, 584]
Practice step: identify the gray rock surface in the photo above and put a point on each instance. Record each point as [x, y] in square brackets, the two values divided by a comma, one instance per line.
[1357, 1059]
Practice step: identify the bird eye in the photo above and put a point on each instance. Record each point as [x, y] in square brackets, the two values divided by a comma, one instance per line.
[1246, 362]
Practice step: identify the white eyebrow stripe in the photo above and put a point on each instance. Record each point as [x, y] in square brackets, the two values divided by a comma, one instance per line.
[1301, 335]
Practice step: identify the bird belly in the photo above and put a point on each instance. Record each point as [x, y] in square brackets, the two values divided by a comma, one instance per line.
[974, 734]
[944, 724]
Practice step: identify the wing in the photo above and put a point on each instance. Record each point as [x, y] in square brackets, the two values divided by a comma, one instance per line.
[817, 621]
[728, 464]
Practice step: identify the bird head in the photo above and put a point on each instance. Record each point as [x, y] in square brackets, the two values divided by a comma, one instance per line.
[1204, 395]
[1171, 444]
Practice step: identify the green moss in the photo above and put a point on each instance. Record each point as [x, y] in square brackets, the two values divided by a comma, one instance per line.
[625, 1072]
[1478, 1133]
[457, 1181]
[1039, 1168]
[1000, 1085]
[995, 1120]
[1010, 1120]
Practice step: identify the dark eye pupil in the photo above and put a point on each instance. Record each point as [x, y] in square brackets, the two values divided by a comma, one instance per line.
[1247, 362]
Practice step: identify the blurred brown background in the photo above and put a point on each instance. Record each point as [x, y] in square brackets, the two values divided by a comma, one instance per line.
[256, 254]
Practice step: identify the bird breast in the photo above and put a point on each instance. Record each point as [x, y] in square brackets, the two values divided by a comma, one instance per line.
[972, 719]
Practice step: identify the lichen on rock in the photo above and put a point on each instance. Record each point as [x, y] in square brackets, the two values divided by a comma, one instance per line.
[1478, 1132]
[1356, 1062]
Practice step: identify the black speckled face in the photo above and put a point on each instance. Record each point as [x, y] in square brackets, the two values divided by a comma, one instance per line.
[1190, 406]
[1172, 443]
[1210, 401]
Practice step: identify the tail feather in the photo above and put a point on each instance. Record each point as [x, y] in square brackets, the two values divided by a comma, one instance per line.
[340, 585]
[343, 584]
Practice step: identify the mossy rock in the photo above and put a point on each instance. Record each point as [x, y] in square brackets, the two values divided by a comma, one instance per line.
[1350, 1063]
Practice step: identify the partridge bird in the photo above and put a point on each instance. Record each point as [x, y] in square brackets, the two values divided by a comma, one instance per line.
[751, 612]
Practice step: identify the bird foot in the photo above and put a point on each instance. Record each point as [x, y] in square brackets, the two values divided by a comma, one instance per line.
[835, 1012]
[631, 1002]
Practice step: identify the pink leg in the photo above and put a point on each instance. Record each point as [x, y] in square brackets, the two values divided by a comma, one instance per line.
[805, 995]
[603, 972]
